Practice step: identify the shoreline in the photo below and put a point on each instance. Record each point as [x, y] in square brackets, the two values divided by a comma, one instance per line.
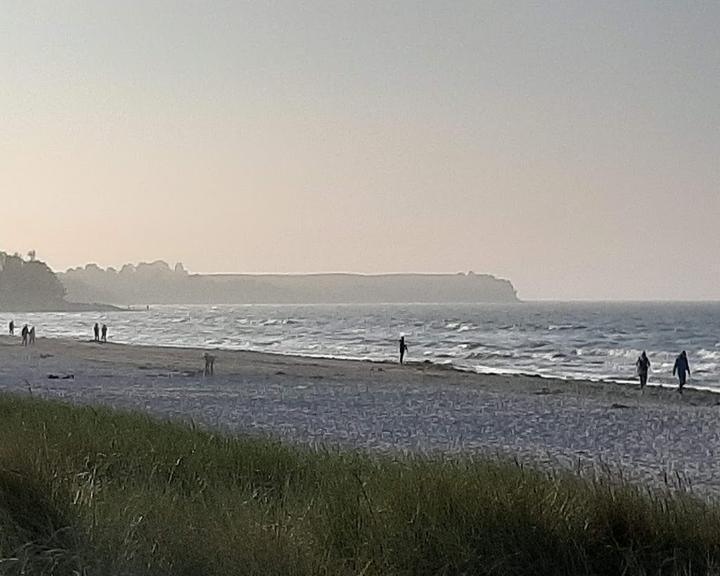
[510, 382]
[559, 343]
[712, 395]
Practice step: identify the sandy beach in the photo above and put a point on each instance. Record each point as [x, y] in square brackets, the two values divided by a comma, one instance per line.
[657, 437]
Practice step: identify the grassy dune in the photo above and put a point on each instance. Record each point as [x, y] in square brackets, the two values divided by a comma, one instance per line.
[93, 491]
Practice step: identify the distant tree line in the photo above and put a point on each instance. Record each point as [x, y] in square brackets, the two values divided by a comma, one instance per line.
[159, 283]
[28, 284]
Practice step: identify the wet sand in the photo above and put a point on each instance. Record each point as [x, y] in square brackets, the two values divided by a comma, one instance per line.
[658, 436]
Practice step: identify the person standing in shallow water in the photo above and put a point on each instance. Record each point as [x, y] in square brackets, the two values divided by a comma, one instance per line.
[104, 332]
[96, 332]
[682, 369]
[11, 327]
[24, 333]
[403, 348]
[643, 367]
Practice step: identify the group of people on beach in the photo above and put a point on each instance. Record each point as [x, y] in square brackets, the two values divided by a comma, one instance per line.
[100, 334]
[27, 333]
[681, 368]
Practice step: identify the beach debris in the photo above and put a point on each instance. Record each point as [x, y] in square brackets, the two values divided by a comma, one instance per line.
[617, 406]
[61, 376]
[545, 390]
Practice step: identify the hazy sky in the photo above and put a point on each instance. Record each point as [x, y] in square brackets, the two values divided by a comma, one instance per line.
[572, 147]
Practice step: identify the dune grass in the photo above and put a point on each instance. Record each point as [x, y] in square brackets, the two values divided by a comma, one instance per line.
[92, 491]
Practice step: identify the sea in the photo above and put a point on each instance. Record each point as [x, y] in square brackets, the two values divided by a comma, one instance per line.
[590, 341]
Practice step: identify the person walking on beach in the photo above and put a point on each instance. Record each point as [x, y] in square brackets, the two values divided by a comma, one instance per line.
[96, 332]
[11, 327]
[682, 369]
[643, 367]
[31, 335]
[104, 332]
[403, 348]
[24, 333]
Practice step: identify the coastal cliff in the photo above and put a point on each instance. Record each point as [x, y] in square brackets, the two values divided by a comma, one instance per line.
[158, 283]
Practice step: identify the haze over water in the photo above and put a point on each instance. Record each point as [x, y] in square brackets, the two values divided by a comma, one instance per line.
[585, 341]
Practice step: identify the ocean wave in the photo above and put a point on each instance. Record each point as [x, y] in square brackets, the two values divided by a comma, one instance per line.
[709, 354]
[552, 327]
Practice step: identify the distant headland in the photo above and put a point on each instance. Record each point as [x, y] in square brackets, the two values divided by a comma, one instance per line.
[29, 285]
[158, 283]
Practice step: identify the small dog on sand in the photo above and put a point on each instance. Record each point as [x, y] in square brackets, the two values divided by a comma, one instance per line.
[209, 364]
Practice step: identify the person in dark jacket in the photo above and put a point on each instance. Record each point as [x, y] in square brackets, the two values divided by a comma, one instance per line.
[403, 348]
[682, 369]
[96, 332]
[643, 367]
[11, 327]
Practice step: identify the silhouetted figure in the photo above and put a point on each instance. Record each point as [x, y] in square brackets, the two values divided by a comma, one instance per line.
[104, 332]
[31, 335]
[209, 364]
[96, 332]
[682, 369]
[24, 333]
[643, 367]
[403, 348]
[11, 327]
